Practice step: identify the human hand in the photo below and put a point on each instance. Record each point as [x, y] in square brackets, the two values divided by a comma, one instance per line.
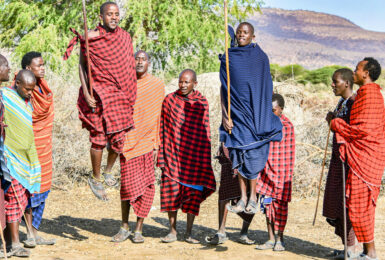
[91, 102]
[227, 124]
[330, 116]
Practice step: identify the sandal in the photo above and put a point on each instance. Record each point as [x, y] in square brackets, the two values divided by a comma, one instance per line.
[191, 240]
[169, 238]
[217, 239]
[245, 240]
[138, 238]
[251, 207]
[238, 208]
[2, 254]
[267, 245]
[110, 180]
[44, 242]
[122, 235]
[97, 188]
[30, 242]
[279, 246]
[19, 251]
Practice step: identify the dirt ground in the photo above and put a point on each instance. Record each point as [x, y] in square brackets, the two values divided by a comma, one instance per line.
[83, 227]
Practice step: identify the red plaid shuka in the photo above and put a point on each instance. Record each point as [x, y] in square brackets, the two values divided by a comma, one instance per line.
[363, 148]
[185, 141]
[13, 212]
[174, 196]
[275, 179]
[333, 198]
[137, 183]
[114, 75]
[277, 212]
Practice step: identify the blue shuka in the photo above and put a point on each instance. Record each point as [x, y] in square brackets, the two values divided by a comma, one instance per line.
[255, 125]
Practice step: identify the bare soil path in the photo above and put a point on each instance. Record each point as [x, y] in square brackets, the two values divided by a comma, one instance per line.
[84, 226]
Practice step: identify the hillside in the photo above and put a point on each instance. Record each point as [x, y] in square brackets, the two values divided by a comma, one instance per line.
[314, 39]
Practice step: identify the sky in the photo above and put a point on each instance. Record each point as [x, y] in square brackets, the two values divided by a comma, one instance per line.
[368, 14]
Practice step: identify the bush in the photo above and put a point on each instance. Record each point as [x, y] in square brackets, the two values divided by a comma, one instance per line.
[319, 76]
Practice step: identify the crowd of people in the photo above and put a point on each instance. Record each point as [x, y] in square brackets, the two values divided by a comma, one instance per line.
[125, 110]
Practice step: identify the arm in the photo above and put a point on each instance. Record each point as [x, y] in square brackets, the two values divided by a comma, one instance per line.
[227, 124]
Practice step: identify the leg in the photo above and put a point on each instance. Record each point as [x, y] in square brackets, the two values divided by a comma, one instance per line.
[243, 238]
[189, 226]
[252, 204]
[96, 161]
[28, 215]
[138, 237]
[370, 249]
[124, 231]
[222, 216]
[171, 237]
[111, 158]
[240, 207]
[270, 243]
[13, 242]
[95, 181]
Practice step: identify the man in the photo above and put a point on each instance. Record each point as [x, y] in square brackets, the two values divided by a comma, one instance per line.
[108, 115]
[274, 182]
[185, 154]
[21, 156]
[342, 85]
[229, 192]
[140, 151]
[363, 150]
[42, 122]
[252, 124]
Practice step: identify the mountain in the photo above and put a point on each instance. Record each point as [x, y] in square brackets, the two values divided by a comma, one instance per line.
[314, 39]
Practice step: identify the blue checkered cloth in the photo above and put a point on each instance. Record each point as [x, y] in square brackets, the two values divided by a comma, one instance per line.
[37, 202]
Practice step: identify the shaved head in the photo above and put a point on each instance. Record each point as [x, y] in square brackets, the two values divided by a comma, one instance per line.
[189, 71]
[142, 51]
[105, 5]
[3, 60]
[26, 76]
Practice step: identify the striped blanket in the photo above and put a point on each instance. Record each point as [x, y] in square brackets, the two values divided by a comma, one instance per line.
[20, 150]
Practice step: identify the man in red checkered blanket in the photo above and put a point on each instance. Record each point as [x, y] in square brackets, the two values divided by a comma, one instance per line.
[108, 115]
[185, 154]
[363, 149]
[274, 182]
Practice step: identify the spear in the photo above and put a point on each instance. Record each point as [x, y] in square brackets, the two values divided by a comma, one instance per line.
[344, 209]
[227, 66]
[90, 82]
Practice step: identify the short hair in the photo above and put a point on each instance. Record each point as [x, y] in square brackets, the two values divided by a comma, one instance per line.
[25, 76]
[374, 68]
[346, 74]
[251, 27]
[280, 100]
[191, 71]
[3, 60]
[104, 6]
[142, 51]
[28, 57]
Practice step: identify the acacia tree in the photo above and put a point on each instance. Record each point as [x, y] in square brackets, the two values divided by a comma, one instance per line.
[177, 33]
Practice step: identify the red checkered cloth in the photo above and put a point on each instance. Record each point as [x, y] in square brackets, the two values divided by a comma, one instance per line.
[229, 186]
[114, 76]
[185, 141]
[174, 196]
[2, 208]
[363, 148]
[333, 200]
[276, 178]
[137, 183]
[277, 213]
[13, 212]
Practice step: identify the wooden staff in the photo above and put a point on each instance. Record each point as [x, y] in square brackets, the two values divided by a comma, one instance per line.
[322, 174]
[344, 209]
[227, 67]
[90, 82]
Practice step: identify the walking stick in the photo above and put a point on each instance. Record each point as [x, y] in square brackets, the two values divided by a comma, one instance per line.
[227, 66]
[322, 173]
[90, 82]
[344, 209]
